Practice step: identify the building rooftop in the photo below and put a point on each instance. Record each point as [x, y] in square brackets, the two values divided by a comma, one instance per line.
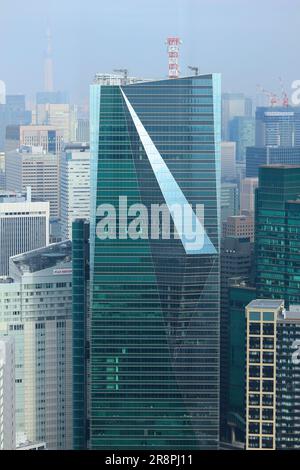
[265, 303]
[43, 258]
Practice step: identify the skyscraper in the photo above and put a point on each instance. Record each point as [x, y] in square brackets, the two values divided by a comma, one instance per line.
[277, 228]
[233, 104]
[228, 153]
[32, 166]
[154, 338]
[272, 375]
[277, 126]
[242, 131]
[24, 225]
[74, 186]
[36, 311]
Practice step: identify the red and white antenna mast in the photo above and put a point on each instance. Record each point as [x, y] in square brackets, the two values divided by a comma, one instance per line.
[173, 44]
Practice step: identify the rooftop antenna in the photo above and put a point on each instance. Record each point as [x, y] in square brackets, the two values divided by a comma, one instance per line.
[194, 69]
[173, 44]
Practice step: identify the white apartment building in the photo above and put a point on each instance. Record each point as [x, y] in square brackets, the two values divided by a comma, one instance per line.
[7, 394]
[24, 226]
[36, 310]
[74, 186]
[31, 166]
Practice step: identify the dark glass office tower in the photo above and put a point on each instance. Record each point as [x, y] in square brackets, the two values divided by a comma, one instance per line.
[154, 337]
[277, 229]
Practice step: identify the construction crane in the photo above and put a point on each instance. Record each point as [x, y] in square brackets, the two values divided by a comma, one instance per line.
[285, 98]
[194, 69]
[272, 96]
[124, 72]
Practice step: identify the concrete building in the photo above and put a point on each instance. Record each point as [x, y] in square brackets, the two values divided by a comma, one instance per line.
[74, 186]
[7, 394]
[51, 139]
[36, 309]
[247, 195]
[62, 117]
[24, 225]
[83, 130]
[241, 226]
[272, 375]
[229, 200]
[32, 166]
[228, 156]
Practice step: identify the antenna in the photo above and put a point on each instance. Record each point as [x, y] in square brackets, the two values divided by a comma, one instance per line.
[194, 69]
[173, 44]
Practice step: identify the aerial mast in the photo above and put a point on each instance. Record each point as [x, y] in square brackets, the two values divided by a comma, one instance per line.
[173, 44]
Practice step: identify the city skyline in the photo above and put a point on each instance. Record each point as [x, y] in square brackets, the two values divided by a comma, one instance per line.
[136, 37]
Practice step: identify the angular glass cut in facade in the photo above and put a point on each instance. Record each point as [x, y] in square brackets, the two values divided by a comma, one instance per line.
[154, 326]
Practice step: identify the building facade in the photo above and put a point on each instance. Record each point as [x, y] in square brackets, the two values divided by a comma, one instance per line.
[272, 375]
[154, 342]
[24, 225]
[277, 228]
[7, 394]
[36, 311]
[31, 166]
[74, 186]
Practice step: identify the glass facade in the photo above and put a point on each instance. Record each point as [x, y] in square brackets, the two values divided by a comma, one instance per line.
[277, 229]
[154, 337]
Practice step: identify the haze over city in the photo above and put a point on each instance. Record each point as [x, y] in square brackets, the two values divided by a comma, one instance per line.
[237, 38]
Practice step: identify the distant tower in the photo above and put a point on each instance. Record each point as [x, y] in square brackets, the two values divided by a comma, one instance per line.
[173, 44]
[48, 64]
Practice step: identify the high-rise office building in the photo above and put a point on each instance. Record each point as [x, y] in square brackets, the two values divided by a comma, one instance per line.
[228, 170]
[83, 130]
[247, 195]
[36, 310]
[236, 262]
[233, 104]
[272, 375]
[32, 166]
[24, 225]
[242, 132]
[240, 295]
[229, 200]
[81, 330]
[7, 394]
[74, 186]
[154, 342]
[277, 228]
[13, 112]
[48, 137]
[258, 156]
[62, 117]
[277, 126]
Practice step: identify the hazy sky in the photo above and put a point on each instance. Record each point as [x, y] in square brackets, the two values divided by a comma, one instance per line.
[248, 41]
